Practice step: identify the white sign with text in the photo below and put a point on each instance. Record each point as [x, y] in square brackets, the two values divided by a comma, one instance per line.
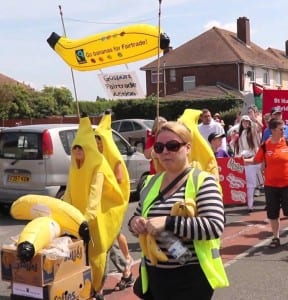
[122, 85]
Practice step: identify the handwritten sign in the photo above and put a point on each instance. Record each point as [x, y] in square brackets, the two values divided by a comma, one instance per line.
[122, 85]
[232, 180]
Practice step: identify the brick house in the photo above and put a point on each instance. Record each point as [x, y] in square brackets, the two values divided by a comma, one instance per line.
[216, 63]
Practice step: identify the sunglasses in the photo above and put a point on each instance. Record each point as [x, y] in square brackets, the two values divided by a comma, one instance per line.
[173, 146]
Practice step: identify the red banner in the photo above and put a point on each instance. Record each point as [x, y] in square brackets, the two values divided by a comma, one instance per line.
[272, 98]
[232, 180]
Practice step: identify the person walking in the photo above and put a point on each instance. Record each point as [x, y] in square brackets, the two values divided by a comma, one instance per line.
[209, 125]
[274, 154]
[150, 140]
[215, 141]
[202, 271]
[93, 189]
[275, 113]
[246, 146]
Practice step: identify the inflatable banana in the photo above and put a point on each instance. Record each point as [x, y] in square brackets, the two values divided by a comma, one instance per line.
[185, 208]
[93, 189]
[112, 153]
[110, 48]
[201, 151]
[35, 236]
[29, 207]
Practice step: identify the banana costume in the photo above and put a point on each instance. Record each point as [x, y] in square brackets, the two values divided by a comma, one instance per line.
[110, 48]
[112, 153]
[35, 236]
[201, 154]
[31, 206]
[93, 189]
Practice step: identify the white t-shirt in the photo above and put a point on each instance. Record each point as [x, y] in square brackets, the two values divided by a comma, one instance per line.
[206, 129]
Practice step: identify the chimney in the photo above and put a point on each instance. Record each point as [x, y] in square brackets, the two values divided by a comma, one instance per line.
[243, 30]
[286, 48]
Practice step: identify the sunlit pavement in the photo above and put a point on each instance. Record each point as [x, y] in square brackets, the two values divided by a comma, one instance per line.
[242, 232]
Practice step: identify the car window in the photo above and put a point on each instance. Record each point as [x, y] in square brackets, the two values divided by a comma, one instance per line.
[137, 126]
[149, 123]
[20, 145]
[115, 125]
[122, 146]
[67, 137]
[126, 126]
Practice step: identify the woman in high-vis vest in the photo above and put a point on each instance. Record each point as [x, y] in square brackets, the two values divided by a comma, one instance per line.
[203, 271]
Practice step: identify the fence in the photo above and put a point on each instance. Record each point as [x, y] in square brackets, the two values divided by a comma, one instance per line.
[51, 120]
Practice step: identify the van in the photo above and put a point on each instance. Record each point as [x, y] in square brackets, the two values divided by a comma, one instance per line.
[35, 159]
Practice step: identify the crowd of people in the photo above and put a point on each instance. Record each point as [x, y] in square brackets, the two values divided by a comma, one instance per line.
[174, 181]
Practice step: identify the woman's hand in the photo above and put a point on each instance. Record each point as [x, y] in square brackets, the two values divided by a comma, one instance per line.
[138, 225]
[155, 225]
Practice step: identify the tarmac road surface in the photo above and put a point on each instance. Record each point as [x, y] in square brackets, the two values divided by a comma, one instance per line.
[254, 270]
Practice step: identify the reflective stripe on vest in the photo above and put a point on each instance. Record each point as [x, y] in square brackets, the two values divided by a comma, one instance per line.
[207, 251]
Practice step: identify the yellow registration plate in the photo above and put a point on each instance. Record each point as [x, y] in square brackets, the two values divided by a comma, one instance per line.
[18, 178]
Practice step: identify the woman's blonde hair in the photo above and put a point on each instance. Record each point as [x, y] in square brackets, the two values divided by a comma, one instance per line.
[179, 128]
[158, 122]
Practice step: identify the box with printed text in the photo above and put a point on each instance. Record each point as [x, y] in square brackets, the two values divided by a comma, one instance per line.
[41, 269]
[77, 285]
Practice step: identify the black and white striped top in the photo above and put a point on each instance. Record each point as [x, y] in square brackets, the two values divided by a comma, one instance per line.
[208, 224]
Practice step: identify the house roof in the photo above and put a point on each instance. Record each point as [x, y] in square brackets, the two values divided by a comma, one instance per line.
[7, 80]
[218, 46]
[205, 92]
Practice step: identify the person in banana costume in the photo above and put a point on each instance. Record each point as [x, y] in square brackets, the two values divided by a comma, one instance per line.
[93, 189]
[107, 146]
[201, 153]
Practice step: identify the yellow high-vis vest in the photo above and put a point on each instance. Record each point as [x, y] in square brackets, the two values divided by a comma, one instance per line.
[207, 251]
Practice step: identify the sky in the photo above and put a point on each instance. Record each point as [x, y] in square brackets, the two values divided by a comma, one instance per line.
[25, 26]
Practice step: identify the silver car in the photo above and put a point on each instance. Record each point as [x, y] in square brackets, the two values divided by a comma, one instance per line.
[35, 159]
[133, 130]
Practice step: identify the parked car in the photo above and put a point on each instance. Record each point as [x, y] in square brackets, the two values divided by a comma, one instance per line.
[134, 130]
[35, 159]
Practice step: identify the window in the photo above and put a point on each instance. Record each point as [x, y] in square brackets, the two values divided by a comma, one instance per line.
[278, 78]
[20, 145]
[189, 83]
[126, 126]
[266, 78]
[172, 75]
[154, 76]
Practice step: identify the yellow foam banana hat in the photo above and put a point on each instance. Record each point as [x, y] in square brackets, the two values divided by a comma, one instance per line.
[112, 153]
[119, 46]
[201, 151]
[29, 207]
[93, 189]
[35, 236]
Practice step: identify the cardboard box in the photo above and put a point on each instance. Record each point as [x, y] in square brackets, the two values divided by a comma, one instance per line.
[41, 270]
[75, 286]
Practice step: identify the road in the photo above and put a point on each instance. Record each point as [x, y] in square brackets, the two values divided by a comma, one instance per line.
[255, 271]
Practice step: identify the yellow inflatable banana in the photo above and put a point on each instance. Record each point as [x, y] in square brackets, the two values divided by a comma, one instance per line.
[110, 48]
[185, 208]
[112, 153]
[201, 151]
[93, 189]
[31, 206]
[35, 236]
